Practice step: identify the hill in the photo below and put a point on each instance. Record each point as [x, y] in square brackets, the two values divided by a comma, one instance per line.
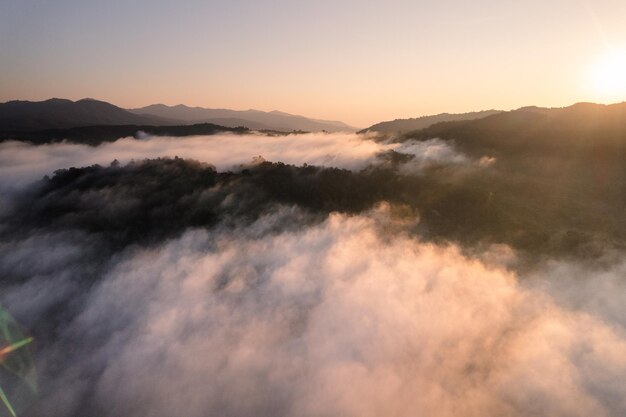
[62, 114]
[95, 135]
[252, 119]
[408, 125]
[567, 130]
[556, 178]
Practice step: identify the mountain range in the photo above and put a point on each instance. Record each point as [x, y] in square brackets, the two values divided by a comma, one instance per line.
[28, 116]
[563, 130]
[581, 124]
[252, 119]
[407, 125]
[58, 113]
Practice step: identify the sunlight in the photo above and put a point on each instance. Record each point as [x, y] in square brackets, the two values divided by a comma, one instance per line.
[608, 76]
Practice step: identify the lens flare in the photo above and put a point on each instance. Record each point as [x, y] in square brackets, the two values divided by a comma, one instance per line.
[18, 380]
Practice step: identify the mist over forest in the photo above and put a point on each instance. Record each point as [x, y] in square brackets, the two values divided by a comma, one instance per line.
[312, 208]
[471, 268]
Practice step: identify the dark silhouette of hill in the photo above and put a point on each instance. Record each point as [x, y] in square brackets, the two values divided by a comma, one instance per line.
[253, 119]
[60, 113]
[408, 125]
[94, 135]
[566, 131]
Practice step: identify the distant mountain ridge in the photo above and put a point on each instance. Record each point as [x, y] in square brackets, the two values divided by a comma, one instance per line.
[562, 129]
[401, 126]
[58, 113]
[252, 119]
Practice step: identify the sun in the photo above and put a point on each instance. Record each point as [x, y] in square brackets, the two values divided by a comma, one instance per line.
[608, 76]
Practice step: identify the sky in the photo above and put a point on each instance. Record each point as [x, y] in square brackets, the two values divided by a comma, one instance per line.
[351, 60]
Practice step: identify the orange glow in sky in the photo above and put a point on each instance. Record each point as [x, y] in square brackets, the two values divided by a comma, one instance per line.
[356, 61]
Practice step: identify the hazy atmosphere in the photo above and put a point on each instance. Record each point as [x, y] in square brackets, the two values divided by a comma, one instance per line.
[312, 209]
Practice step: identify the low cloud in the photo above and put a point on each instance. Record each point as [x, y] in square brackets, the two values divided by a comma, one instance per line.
[21, 163]
[430, 152]
[337, 318]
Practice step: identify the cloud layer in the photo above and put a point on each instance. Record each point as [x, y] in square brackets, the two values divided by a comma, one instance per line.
[339, 318]
[21, 162]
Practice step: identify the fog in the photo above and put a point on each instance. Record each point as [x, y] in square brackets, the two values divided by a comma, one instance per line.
[346, 317]
[21, 163]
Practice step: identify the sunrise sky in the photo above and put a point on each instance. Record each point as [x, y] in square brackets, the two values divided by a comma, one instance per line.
[356, 61]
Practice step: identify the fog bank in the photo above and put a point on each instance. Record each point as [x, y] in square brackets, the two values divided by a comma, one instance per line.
[339, 318]
[21, 163]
